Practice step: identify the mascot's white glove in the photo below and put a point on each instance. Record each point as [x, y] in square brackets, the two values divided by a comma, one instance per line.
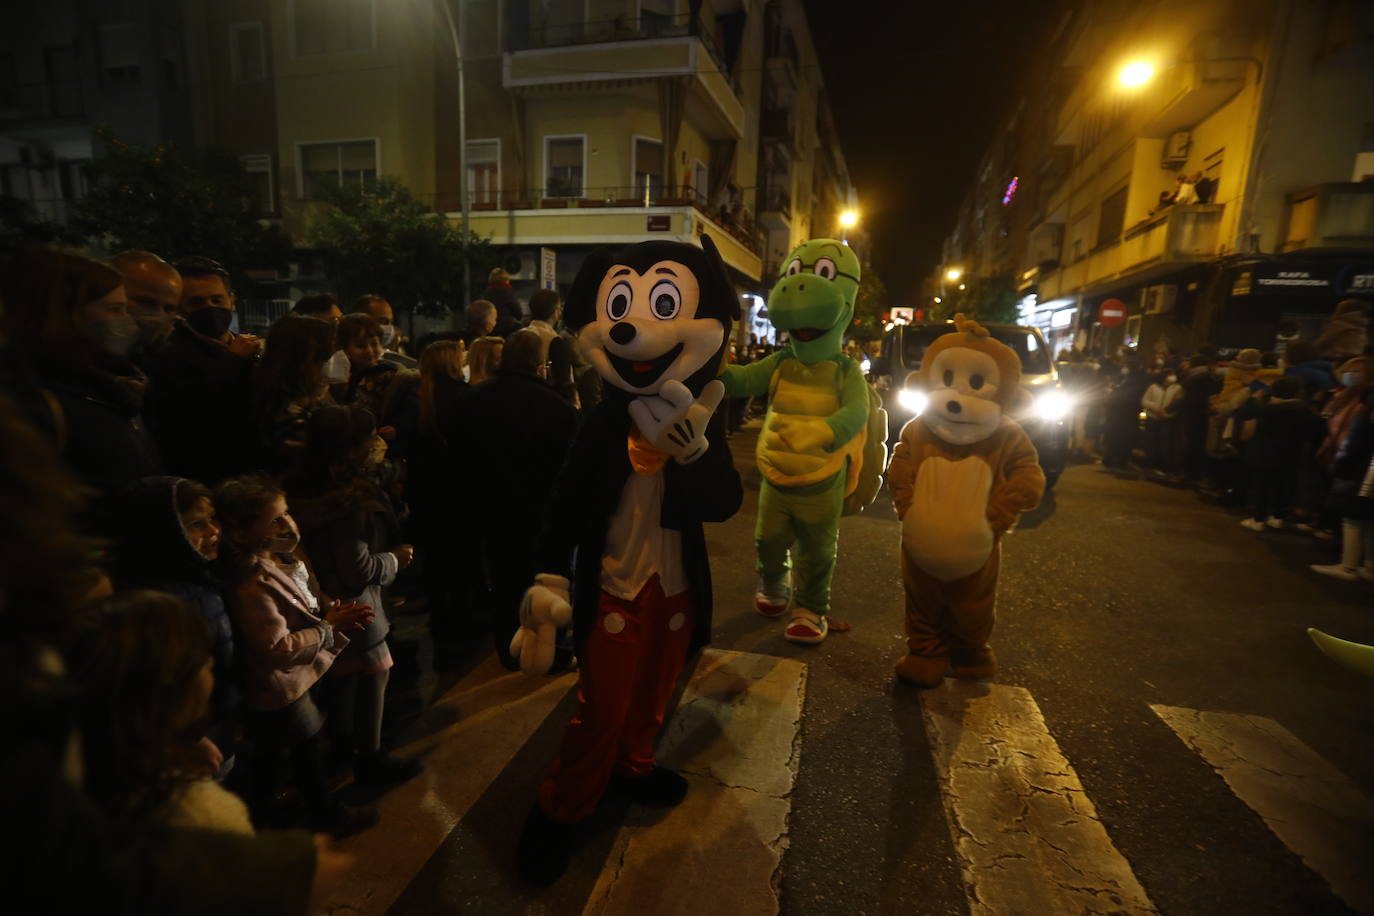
[543, 612]
[675, 422]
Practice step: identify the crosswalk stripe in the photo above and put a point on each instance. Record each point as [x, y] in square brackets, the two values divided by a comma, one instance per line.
[1309, 804]
[496, 712]
[1027, 837]
[736, 737]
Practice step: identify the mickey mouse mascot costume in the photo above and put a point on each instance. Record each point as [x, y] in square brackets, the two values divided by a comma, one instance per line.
[649, 466]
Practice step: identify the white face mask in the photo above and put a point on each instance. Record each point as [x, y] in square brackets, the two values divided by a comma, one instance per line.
[336, 368]
[1170, 379]
[388, 334]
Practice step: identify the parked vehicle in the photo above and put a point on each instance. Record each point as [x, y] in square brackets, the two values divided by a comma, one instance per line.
[1046, 421]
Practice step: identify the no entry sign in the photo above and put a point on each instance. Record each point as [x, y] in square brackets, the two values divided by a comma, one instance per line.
[1111, 313]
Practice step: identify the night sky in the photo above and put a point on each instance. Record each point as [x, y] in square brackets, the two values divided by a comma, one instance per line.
[918, 89]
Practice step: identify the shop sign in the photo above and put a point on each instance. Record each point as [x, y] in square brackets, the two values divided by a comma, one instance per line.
[1299, 280]
[660, 222]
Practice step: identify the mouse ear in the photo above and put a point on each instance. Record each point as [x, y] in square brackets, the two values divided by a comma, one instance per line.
[580, 307]
[727, 289]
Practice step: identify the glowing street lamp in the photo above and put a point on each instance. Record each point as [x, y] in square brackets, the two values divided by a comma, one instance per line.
[1135, 74]
[953, 274]
[849, 219]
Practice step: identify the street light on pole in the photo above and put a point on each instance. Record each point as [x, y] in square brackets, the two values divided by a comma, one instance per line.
[462, 143]
[848, 220]
[953, 274]
[1135, 74]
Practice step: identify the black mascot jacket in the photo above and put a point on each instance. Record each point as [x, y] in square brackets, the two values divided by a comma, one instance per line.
[588, 494]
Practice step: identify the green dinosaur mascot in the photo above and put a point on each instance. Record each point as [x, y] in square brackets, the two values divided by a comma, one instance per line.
[813, 435]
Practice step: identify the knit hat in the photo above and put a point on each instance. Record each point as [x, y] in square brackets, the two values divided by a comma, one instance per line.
[1247, 360]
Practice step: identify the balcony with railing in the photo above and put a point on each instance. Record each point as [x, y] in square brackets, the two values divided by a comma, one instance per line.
[579, 53]
[612, 215]
[1330, 216]
[1175, 237]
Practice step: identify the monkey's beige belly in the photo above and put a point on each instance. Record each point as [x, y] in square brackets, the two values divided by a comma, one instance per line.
[946, 530]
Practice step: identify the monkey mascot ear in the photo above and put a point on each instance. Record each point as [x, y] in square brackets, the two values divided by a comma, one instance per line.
[580, 306]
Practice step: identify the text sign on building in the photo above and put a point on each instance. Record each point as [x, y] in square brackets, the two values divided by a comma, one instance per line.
[662, 222]
[1111, 313]
[548, 268]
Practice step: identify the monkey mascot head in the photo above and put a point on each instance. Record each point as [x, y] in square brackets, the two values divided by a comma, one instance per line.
[972, 380]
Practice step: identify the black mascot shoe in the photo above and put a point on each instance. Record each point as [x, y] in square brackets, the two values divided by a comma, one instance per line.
[661, 788]
[545, 848]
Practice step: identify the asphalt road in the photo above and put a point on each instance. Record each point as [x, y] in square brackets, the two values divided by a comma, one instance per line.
[1116, 595]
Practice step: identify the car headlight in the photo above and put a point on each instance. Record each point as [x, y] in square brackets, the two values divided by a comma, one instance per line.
[1052, 405]
[913, 401]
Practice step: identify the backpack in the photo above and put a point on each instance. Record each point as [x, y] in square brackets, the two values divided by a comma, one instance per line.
[872, 457]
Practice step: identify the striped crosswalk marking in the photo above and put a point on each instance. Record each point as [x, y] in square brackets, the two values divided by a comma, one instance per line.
[496, 712]
[1309, 804]
[1027, 837]
[735, 736]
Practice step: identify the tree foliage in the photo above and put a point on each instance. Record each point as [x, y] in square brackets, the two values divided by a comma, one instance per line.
[383, 240]
[21, 225]
[991, 299]
[176, 203]
[870, 303]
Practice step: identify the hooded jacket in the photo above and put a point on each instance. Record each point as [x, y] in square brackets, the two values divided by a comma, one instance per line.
[1348, 332]
[153, 552]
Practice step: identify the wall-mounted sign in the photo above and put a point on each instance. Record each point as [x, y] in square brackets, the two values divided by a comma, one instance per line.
[1111, 313]
[1303, 280]
[662, 222]
[548, 269]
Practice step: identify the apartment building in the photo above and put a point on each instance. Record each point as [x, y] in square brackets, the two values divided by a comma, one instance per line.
[69, 66]
[587, 122]
[1267, 103]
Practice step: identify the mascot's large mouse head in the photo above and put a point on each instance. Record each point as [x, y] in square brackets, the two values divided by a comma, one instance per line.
[813, 300]
[652, 312]
[971, 380]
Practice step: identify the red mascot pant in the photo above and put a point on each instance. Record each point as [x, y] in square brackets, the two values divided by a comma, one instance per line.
[626, 673]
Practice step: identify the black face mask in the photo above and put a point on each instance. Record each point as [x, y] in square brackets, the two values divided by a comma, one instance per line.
[211, 321]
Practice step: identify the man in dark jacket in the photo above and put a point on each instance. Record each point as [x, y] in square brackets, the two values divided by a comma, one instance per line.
[200, 403]
[513, 466]
[1199, 383]
[509, 314]
[1284, 430]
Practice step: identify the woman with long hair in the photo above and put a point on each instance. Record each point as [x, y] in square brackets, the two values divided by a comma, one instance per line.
[69, 337]
[484, 357]
[142, 660]
[292, 381]
[435, 497]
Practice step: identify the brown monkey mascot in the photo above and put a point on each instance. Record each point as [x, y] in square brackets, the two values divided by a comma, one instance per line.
[961, 474]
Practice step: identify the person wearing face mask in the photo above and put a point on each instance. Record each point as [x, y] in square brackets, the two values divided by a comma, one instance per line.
[350, 533]
[290, 639]
[69, 337]
[1160, 403]
[393, 344]
[201, 381]
[154, 290]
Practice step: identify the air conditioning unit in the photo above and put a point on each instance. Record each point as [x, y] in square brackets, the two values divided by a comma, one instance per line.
[1158, 300]
[522, 265]
[1176, 148]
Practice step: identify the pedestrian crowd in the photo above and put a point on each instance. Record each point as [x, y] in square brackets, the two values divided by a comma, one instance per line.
[202, 533]
[1287, 435]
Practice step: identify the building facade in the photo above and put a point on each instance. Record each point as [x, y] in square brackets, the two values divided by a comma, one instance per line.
[595, 122]
[1206, 165]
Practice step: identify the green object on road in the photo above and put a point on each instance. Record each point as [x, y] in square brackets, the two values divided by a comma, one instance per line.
[806, 522]
[1354, 655]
